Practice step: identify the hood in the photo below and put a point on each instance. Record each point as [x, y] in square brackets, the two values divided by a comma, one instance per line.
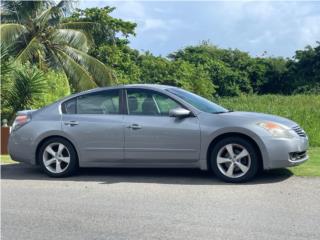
[260, 117]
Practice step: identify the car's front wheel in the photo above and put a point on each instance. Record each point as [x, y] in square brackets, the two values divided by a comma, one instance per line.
[57, 157]
[234, 159]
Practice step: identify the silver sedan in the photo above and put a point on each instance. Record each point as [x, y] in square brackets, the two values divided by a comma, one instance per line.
[154, 126]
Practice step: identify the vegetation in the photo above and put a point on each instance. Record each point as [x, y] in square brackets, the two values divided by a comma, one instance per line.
[5, 159]
[28, 87]
[311, 167]
[34, 31]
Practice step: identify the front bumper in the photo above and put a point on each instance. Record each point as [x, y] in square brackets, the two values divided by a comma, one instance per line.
[286, 152]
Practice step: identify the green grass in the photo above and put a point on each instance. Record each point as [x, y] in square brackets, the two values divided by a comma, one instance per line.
[6, 159]
[303, 109]
[309, 168]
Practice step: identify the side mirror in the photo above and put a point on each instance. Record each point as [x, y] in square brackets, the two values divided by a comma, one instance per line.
[179, 112]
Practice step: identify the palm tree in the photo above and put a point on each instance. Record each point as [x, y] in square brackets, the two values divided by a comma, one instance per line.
[27, 87]
[33, 30]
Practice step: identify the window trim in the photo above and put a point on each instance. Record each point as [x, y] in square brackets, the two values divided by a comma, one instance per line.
[126, 112]
[120, 95]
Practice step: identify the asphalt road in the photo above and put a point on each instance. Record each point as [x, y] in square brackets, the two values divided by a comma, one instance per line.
[152, 204]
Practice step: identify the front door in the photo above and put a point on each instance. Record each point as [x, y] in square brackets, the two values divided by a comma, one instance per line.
[151, 136]
[94, 122]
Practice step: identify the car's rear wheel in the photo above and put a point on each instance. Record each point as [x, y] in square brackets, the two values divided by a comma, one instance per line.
[234, 159]
[57, 157]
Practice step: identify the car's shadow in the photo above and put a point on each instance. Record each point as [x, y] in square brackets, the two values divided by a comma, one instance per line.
[20, 171]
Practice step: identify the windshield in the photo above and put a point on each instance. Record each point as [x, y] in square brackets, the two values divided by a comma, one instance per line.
[196, 101]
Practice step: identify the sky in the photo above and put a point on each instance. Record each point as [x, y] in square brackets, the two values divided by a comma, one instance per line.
[272, 28]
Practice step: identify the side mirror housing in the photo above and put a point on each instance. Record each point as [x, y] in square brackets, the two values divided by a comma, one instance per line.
[179, 112]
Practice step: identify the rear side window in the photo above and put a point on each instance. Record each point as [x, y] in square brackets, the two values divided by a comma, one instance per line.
[69, 106]
[107, 102]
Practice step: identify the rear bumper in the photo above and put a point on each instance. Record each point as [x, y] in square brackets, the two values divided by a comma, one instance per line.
[21, 149]
[286, 152]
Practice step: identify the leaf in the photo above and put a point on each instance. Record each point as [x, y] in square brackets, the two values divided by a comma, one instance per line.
[85, 27]
[74, 38]
[28, 86]
[10, 32]
[34, 47]
[102, 74]
[79, 77]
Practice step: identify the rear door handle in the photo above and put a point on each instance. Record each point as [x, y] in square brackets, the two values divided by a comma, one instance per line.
[71, 123]
[134, 126]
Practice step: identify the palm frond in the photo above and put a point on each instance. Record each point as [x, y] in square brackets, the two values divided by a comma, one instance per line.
[33, 48]
[74, 38]
[10, 32]
[78, 76]
[42, 20]
[85, 27]
[66, 5]
[28, 87]
[22, 11]
[53, 14]
[6, 63]
[102, 74]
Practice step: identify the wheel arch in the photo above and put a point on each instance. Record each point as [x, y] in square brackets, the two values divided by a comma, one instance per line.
[234, 134]
[49, 137]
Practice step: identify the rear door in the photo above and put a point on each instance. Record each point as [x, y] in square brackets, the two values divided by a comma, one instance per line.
[151, 136]
[94, 121]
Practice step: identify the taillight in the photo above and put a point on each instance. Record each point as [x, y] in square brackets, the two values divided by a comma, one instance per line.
[20, 121]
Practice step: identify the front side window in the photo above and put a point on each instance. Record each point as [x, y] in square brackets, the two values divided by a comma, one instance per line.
[146, 102]
[106, 102]
[196, 101]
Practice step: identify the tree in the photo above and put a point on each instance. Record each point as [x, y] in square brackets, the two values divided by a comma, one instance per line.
[304, 70]
[226, 68]
[34, 31]
[108, 29]
[110, 41]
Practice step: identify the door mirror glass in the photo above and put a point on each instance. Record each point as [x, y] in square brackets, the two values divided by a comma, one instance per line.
[179, 112]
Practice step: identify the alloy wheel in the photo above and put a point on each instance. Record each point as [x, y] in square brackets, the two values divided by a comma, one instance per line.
[233, 160]
[56, 157]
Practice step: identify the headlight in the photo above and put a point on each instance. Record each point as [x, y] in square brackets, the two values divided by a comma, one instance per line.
[276, 130]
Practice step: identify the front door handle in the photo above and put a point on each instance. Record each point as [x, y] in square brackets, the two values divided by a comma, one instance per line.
[71, 123]
[134, 126]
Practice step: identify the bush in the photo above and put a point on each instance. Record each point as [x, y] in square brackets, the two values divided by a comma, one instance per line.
[27, 87]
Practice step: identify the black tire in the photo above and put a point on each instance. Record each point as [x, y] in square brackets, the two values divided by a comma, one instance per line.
[254, 157]
[72, 166]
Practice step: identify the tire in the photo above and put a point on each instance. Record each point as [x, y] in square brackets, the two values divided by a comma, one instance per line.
[229, 165]
[57, 157]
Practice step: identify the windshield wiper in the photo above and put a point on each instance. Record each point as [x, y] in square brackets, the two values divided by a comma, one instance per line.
[223, 112]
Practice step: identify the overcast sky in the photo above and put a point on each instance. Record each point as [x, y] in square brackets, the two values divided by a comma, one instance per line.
[277, 27]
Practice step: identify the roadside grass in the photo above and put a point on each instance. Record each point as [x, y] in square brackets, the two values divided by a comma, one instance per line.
[5, 159]
[311, 168]
[303, 109]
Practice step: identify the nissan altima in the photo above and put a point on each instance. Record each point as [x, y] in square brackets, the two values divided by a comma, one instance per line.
[154, 126]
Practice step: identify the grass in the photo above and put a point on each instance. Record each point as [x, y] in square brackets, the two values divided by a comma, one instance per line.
[5, 159]
[310, 168]
[303, 109]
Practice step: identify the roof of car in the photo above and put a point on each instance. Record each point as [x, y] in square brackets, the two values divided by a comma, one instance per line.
[157, 86]
[149, 86]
